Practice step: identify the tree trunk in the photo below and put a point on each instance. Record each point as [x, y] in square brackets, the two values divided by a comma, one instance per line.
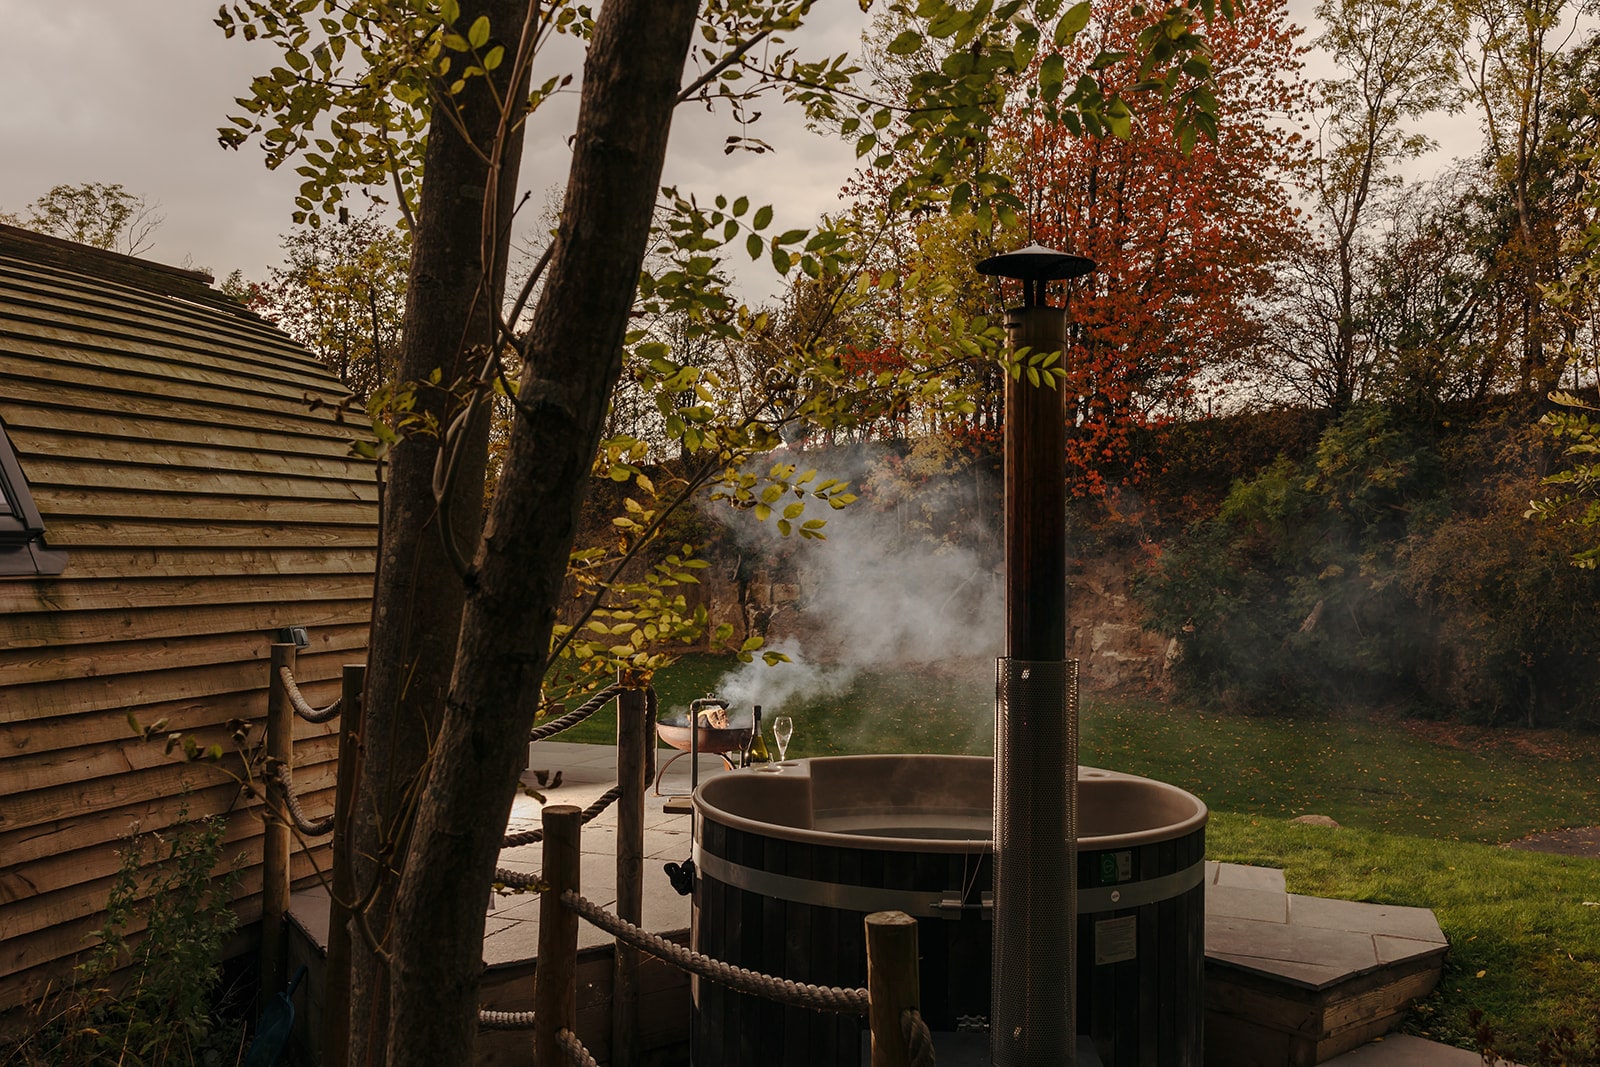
[418, 598]
[631, 81]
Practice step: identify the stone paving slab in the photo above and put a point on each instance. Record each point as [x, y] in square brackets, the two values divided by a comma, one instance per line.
[1239, 876]
[1391, 919]
[1312, 942]
[1403, 1050]
[1262, 905]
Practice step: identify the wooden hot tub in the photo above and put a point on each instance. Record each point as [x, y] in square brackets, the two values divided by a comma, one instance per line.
[788, 864]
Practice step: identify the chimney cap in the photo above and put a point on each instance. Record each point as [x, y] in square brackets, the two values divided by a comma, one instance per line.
[1036, 263]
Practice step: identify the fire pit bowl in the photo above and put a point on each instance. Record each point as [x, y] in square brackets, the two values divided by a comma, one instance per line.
[716, 741]
[787, 865]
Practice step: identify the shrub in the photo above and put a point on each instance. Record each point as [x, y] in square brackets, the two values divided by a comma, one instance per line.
[1288, 597]
[151, 1000]
[1518, 620]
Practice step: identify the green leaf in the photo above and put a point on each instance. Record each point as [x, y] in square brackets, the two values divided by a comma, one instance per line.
[1052, 75]
[905, 44]
[1076, 18]
[478, 35]
[763, 217]
[754, 245]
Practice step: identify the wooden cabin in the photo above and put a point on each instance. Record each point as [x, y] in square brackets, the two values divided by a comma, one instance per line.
[177, 492]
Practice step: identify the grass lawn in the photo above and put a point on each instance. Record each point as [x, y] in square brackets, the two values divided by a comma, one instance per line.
[1420, 808]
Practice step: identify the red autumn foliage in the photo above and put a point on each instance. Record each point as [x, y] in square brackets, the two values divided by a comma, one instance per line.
[1185, 244]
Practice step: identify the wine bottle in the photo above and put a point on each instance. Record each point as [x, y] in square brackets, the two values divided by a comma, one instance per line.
[758, 745]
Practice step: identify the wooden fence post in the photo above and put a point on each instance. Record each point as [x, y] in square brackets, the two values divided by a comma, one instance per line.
[892, 984]
[555, 974]
[336, 978]
[633, 746]
[275, 843]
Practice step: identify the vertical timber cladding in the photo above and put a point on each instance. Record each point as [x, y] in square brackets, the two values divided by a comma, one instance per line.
[184, 455]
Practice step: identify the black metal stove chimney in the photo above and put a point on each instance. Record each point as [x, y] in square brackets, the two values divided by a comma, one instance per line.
[1032, 1014]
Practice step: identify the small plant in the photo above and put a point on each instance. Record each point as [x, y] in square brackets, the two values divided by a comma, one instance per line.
[143, 1002]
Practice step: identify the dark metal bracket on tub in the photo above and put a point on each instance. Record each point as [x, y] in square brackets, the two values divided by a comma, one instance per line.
[952, 902]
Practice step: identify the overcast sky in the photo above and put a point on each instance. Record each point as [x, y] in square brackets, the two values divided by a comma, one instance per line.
[132, 91]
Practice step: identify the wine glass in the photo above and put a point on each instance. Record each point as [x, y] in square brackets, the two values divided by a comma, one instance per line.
[782, 730]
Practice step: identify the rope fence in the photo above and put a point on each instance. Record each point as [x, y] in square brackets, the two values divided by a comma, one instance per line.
[914, 1032]
[505, 1020]
[308, 826]
[918, 1038]
[534, 836]
[573, 718]
[740, 979]
[577, 1055]
[301, 706]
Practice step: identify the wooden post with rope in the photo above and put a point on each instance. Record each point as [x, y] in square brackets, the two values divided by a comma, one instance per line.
[633, 750]
[275, 843]
[336, 997]
[893, 986]
[555, 976]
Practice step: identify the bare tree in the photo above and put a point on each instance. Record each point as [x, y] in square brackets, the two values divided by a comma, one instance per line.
[93, 213]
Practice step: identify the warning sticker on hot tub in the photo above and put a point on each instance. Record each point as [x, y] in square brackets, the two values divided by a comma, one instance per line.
[1116, 940]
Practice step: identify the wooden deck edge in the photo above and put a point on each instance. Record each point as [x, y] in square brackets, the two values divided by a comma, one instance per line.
[1252, 1021]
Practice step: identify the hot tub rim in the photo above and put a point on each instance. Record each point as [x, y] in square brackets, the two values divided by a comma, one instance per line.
[1130, 839]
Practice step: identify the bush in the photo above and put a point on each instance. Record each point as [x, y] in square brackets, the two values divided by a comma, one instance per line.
[1517, 619]
[1394, 563]
[1288, 597]
[151, 1000]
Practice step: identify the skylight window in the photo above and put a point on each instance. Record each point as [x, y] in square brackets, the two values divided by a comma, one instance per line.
[22, 547]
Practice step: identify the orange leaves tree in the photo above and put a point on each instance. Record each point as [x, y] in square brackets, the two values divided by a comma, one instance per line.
[1186, 230]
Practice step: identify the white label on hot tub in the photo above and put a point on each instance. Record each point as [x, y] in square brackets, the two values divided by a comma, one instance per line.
[1116, 940]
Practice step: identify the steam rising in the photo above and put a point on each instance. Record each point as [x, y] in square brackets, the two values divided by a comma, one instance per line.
[896, 584]
[777, 688]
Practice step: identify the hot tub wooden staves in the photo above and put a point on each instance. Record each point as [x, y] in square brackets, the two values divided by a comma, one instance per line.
[789, 864]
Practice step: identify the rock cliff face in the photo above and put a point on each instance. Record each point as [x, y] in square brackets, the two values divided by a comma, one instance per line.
[1112, 649]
